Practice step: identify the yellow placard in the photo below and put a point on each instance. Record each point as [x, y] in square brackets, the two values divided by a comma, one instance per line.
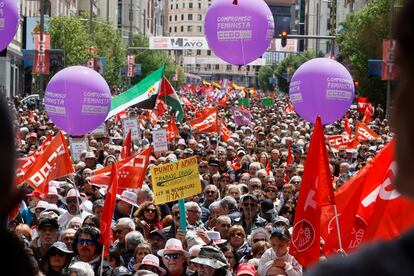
[174, 181]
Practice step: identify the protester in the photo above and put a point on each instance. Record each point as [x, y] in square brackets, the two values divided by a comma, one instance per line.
[56, 259]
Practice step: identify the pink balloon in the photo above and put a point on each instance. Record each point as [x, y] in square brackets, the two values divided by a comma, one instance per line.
[9, 21]
[241, 33]
[77, 100]
[324, 87]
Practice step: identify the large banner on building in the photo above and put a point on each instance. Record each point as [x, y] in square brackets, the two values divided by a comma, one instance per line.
[178, 43]
[41, 62]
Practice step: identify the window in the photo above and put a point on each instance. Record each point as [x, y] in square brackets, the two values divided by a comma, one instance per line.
[183, 5]
[209, 52]
[199, 5]
[190, 16]
[198, 52]
[172, 6]
[190, 5]
[175, 17]
[199, 17]
[175, 29]
[228, 67]
[182, 28]
[199, 29]
[208, 66]
[182, 17]
[217, 67]
[189, 28]
[170, 18]
[176, 6]
[170, 29]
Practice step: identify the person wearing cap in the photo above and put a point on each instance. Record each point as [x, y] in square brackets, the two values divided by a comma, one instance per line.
[250, 218]
[246, 269]
[48, 234]
[267, 210]
[152, 263]
[125, 202]
[278, 255]
[57, 258]
[174, 258]
[40, 207]
[88, 249]
[157, 239]
[72, 201]
[211, 262]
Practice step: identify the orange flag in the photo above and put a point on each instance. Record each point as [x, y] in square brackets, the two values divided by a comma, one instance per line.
[316, 191]
[207, 122]
[127, 146]
[131, 170]
[53, 163]
[108, 210]
[172, 130]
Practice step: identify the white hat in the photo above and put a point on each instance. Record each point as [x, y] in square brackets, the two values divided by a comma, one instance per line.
[40, 204]
[53, 191]
[128, 197]
[181, 142]
[173, 246]
[53, 207]
[154, 261]
[73, 193]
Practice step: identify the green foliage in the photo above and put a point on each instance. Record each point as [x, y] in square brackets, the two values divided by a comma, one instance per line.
[288, 66]
[265, 72]
[360, 41]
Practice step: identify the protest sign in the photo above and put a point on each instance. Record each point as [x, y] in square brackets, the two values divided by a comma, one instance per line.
[77, 146]
[132, 125]
[174, 181]
[159, 138]
[100, 131]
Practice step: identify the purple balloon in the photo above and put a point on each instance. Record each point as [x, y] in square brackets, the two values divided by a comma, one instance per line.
[9, 21]
[240, 33]
[77, 100]
[324, 87]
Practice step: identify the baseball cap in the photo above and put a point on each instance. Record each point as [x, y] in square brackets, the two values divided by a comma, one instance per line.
[246, 269]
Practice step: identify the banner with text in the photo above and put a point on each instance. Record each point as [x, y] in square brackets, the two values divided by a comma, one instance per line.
[178, 43]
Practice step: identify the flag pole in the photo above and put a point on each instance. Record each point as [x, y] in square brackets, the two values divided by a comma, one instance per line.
[338, 229]
[102, 260]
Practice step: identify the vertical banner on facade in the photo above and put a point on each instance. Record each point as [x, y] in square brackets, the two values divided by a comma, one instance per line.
[41, 62]
[131, 66]
[389, 71]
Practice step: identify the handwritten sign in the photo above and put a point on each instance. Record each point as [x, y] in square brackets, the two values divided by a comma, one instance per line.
[159, 138]
[174, 181]
[77, 146]
[132, 124]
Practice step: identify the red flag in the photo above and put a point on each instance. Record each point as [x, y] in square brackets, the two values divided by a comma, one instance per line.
[120, 116]
[55, 162]
[131, 171]
[127, 146]
[41, 63]
[316, 191]
[362, 104]
[364, 133]
[289, 108]
[347, 127]
[108, 210]
[368, 113]
[142, 120]
[161, 108]
[153, 117]
[268, 168]
[223, 101]
[187, 102]
[342, 142]
[290, 155]
[207, 122]
[369, 205]
[225, 132]
[172, 130]
[23, 164]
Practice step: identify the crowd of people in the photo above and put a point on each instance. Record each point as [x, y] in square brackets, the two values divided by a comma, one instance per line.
[241, 223]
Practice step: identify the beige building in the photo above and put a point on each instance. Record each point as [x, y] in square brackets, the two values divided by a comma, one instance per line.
[185, 18]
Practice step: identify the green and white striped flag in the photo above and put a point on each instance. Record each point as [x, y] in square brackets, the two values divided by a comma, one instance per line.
[143, 95]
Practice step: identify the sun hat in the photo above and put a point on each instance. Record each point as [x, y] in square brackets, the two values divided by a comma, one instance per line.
[53, 191]
[173, 246]
[128, 197]
[40, 204]
[73, 193]
[154, 261]
[59, 246]
[212, 257]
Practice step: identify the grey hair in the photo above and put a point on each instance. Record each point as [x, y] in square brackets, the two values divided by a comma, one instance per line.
[142, 272]
[133, 239]
[128, 222]
[257, 231]
[192, 204]
[214, 205]
[82, 269]
[229, 202]
[147, 191]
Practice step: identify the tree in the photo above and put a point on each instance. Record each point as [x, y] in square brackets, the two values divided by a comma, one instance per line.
[361, 40]
[265, 72]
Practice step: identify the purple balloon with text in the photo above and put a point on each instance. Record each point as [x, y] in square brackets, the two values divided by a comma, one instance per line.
[324, 87]
[241, 33]
[77, 100]
[9, 21]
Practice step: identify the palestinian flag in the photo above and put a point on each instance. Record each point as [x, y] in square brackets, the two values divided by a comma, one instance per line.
[168, 95]
[142, 95]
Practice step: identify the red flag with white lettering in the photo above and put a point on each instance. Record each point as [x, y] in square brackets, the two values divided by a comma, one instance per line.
[341, 142]
[207, 122]
[172, 130]
[131, 171]
[108, 210]
[362, 104]
[53, 163]
[369, 207]
[346, 126]
[225, 132]
[364, 133]
[316, 191]
[41, 63]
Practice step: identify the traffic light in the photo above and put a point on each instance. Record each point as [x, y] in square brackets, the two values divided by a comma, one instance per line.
[356, 83]
[284, 39]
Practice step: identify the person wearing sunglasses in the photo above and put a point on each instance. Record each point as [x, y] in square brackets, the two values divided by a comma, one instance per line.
[87, 249]
[174, 258]
[56, 259]
[147, 218]
[250, 219]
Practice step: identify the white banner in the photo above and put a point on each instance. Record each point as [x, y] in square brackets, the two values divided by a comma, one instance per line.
[131, 124]
[99, 131]
[159, 138]
[77, 146]
[178, 43]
